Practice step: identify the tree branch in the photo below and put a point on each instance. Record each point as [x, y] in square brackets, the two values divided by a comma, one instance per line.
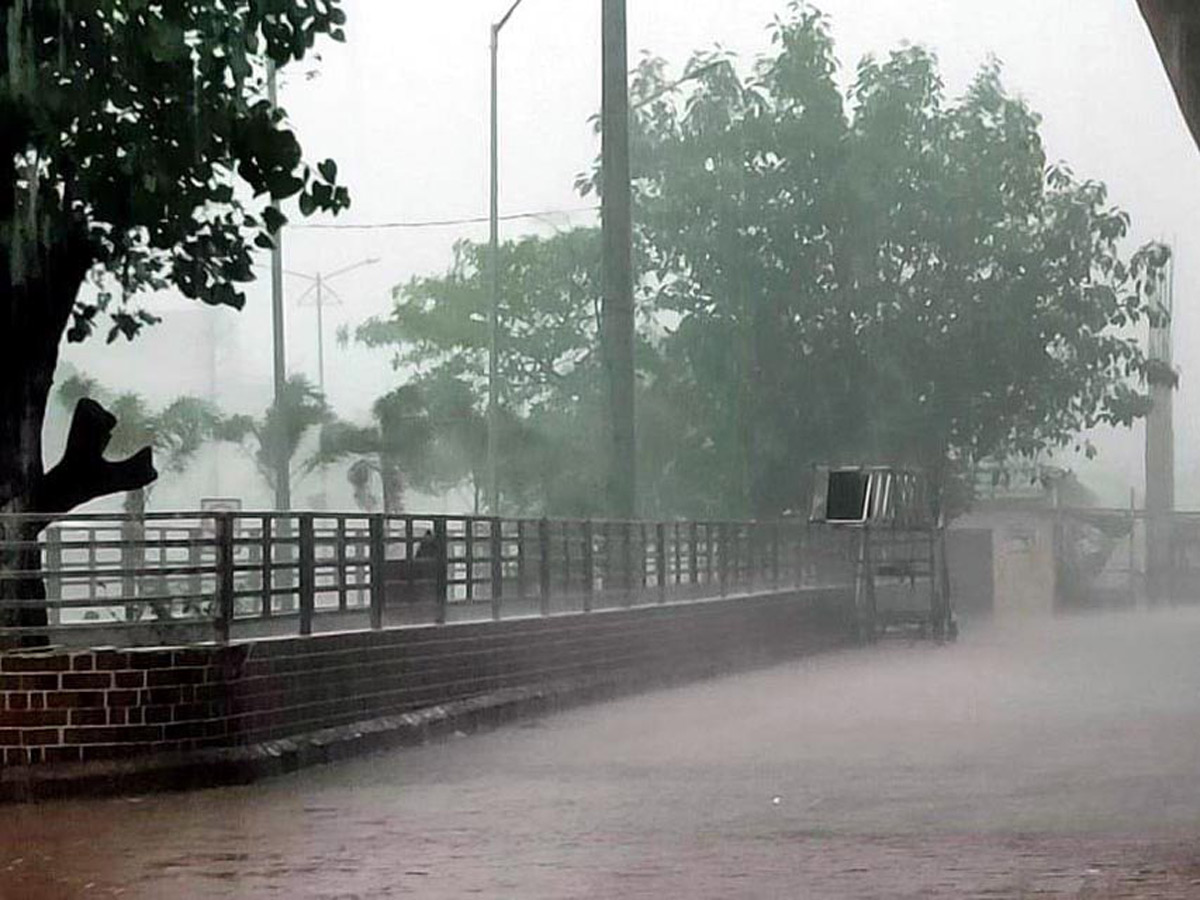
[84, 474]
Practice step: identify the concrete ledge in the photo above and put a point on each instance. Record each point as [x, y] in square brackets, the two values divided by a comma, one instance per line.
[245, 764]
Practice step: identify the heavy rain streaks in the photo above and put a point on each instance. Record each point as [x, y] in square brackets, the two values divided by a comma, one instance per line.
[1050, 760]
[675, 448]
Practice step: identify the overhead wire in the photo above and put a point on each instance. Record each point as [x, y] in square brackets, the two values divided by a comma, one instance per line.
[438, 223]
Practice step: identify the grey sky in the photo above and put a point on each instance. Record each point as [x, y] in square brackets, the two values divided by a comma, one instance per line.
[403, 108]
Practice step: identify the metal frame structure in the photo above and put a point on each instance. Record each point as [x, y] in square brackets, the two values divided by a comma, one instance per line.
[900, 540]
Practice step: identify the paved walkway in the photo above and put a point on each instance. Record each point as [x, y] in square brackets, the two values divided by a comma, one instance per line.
[1062, 762]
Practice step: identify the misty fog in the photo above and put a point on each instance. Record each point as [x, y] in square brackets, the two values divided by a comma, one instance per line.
[403, 107]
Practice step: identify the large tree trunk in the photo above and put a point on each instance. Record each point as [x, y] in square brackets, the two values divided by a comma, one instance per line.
[38, 286]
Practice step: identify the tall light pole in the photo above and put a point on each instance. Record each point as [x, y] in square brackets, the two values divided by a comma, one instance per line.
[616, 221]
[283, 486]
[319, 287]
[493, 412]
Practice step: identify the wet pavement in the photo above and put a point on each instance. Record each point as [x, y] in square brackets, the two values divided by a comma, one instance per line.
[1061, 761]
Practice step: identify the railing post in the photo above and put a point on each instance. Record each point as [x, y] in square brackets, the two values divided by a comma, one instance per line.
[340, 555]
[660, 563]
[224, 541]
[53, 572]
[469, 552]
[521, 559]
[722, 554]
[693, 558]
[627, 561]
[308, 573]
[544, 566]
[589, 571]
[566, 559]
[268, 581]
[677, 554]
[775, 556]
[496, 552]
[376, 555]
[441, 588]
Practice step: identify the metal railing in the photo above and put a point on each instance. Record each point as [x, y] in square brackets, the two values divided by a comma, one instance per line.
[188, 577]
[1126, 557]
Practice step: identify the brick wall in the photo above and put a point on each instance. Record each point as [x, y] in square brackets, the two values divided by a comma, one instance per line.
[103, 704]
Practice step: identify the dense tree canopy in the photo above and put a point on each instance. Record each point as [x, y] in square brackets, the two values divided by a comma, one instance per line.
[138, 150]
[888, 274]
[900, 276]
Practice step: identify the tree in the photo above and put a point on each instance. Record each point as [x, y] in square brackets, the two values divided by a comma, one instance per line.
[897, 278]
[550, 369]
[890, 275]
[138, 151]
[398, 444]
[278, 433]
[176, 432]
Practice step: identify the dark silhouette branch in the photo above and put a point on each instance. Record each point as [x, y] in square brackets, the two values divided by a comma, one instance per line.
[83, 473]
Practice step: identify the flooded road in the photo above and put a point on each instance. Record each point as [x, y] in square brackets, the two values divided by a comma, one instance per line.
[1061, 761]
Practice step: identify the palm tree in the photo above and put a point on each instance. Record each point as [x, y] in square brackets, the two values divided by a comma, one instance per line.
[396, 446]
[282, 427]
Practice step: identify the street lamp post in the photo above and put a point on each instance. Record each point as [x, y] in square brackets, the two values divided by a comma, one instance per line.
[283, 487]
[493, 415]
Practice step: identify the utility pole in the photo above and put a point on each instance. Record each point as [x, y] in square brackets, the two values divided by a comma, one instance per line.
[1160, 440]
[283, 485]
[319, 286]
[493, 410]
[617, 235]
[320, 334]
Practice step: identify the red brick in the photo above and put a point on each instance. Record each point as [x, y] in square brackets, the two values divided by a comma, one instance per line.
[110, 660]
[160, 695]
[149, 659]
[113, 734]
[37, 701]
[84, 662]
[187, 712]
[121, 698]
[33, 718]
[34, 737]
[10, 737]
[20, 662]
[74, 699]
[47, 682]
[16, 700]
[62, 754]
[86, 680]
[34, 755]
[136, 715]
[192, 657]
[163, 677]
[118, 716]
[15, 756]
[89, 717]
[129, 679]
[156, 715]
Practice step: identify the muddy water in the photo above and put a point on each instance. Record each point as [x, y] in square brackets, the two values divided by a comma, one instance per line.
[1062, 760]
